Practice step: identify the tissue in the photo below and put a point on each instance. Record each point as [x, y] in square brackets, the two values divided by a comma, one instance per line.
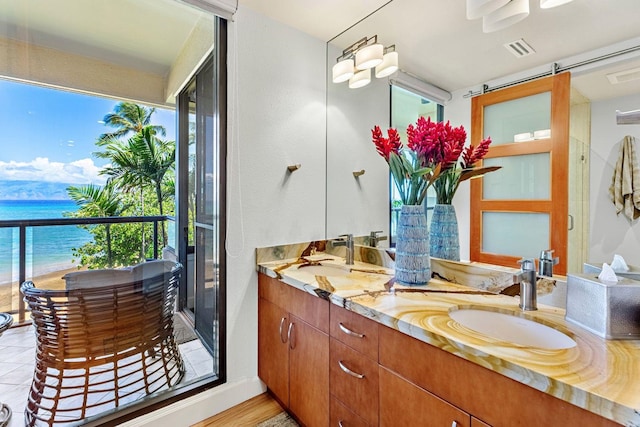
[619, 265]
[607, 274]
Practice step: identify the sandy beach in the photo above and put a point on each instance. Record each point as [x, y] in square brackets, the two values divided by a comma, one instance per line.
[10, 292]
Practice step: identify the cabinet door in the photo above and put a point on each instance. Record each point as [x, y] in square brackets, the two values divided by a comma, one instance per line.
[273, 349]
[309, 374]
[405, 404]
[477, 423]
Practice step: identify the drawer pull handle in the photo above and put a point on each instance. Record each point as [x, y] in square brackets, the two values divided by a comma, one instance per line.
[454, 424]
[281, 328]
[349, 371]
[289, 337]
[340, 423]
[349, 331]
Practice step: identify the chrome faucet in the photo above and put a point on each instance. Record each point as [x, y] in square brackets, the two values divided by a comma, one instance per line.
[345, 240]
[374, 239]
[546, 263]
[527, 280]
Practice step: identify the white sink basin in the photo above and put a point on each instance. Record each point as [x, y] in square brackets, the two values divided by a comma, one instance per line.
[513, 329]
[324, 270]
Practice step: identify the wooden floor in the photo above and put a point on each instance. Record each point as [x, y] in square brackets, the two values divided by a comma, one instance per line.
[247, 414]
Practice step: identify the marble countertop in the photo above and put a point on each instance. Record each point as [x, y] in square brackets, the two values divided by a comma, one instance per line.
[599, 375]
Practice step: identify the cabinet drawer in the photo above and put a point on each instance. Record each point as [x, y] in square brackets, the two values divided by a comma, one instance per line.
[354, 330]
[405, 404]
[354, 380]
[341, 416]
[310, 308]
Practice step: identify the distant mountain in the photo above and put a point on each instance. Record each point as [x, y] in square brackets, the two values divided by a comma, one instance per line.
[33, 190]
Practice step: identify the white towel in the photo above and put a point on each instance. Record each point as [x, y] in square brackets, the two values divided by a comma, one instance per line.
[625, 185]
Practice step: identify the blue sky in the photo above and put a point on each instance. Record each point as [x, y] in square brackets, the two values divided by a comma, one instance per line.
[49, 135]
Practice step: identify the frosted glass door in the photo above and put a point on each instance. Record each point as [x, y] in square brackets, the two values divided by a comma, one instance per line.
[520, 120]
[515, 234]
[521, 177]
[521, 209]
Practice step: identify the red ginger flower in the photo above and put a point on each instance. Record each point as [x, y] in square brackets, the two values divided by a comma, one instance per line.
[436, 143]
[386, 146]
[435, 155]
[473, 153]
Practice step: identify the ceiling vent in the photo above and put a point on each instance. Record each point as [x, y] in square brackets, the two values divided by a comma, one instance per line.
[624, 76]
[519, 48]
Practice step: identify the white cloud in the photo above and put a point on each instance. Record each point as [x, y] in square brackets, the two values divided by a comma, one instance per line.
[82, 171]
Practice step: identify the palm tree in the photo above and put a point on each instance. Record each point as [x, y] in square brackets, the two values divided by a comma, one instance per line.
[96, 201]
[143, 160]
[128, 118]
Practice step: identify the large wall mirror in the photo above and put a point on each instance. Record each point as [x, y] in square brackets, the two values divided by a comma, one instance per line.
[441, 47]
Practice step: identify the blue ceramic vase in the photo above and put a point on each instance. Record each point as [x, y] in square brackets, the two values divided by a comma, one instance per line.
[443, 236]
[413, 266]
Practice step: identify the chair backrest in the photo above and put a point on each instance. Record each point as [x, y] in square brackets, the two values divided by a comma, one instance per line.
[108, 320]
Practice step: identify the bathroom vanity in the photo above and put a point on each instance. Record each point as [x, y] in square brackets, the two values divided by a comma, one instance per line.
[353, 348]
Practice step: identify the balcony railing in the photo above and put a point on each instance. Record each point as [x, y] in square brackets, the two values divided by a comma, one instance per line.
[9, 289]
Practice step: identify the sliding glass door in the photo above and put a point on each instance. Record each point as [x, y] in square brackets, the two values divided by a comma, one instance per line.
[201, 195]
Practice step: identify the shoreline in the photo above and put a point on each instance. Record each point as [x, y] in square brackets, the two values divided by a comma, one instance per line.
[46, 275]
[10, 291]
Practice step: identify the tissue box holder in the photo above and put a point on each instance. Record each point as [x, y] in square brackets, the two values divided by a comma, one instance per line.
[609, 310]
[595, 269]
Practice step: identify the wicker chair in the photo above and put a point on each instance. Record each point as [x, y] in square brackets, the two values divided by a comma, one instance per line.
[101, 347]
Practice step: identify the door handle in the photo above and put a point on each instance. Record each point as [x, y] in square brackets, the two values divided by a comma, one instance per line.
[290, 337]
[281, 329]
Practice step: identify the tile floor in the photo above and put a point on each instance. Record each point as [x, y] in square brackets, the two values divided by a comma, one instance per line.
[17, 354]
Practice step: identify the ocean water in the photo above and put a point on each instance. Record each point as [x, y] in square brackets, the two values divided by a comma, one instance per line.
[48, 248]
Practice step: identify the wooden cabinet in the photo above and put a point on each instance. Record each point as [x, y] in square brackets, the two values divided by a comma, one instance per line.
[342, 416]
[273, 349]
[405, 404]
[293, 349]
[483, 393]
[330, 366]
[477, 423]
[354, 367]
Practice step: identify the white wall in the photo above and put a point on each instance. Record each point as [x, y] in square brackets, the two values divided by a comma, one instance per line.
[458, 112]
[610, 234]
[277, 118]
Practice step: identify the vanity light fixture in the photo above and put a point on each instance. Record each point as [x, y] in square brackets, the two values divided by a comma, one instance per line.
[507, 15]
[499, 14]
[478, 8]
[548, 4]
[389, 64]
[343, 70]
[360, 79]
[369, 56]
[358, 59]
